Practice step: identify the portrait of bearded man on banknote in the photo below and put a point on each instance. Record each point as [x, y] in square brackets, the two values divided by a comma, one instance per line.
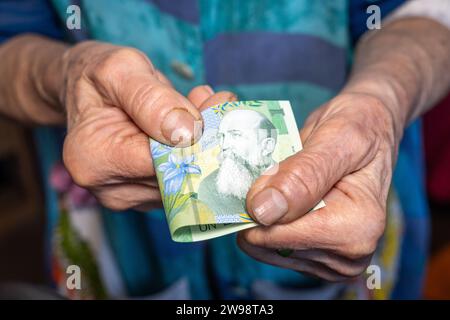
[247, 139]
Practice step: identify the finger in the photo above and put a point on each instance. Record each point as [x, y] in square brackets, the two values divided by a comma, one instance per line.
[128, 80]
[148, 206]
[126, 196]
[301, 265]
[303, 179]
[343, 266]
[199, 94]
[130, 159]
[316, 230]
[122, 151]
[151, 182]
[340, 228]
[218, 98]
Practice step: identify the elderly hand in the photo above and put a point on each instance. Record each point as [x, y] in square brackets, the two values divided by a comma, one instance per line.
[115, 99]
[348, 155]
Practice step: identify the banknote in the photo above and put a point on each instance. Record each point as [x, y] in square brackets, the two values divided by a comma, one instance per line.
[204, 186]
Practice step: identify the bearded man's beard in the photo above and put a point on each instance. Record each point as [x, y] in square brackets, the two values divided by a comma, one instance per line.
[235, 176]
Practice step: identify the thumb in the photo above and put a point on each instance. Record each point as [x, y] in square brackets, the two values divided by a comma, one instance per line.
[152, 104]
[303, 179]
[159, 110]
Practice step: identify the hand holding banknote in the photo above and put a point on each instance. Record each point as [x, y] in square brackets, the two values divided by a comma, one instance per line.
[204, 186]
[347, 160]
[115, 99]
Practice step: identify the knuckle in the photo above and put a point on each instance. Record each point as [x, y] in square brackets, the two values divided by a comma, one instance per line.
[79, 175]
[118, 62]
[124, 57]
[105, 67]
[375, 219]
[128, 55]
[362, 228]
[360, 250]
[78, 167]
[146, 97]
[81, 179]
[356, 129]
[301, 178]
[359, 137]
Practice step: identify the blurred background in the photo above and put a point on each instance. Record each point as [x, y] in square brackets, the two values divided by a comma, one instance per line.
[21, 207]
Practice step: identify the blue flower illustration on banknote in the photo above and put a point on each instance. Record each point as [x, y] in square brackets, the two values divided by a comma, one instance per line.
[158, 149]
[175, 170]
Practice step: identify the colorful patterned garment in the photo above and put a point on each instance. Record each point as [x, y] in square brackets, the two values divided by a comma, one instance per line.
[260, 49]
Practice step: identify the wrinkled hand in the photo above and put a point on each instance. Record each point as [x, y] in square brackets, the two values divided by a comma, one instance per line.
[348, 156]
[115, 99]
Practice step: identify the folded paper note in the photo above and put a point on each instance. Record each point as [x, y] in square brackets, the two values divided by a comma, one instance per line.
[204, 186]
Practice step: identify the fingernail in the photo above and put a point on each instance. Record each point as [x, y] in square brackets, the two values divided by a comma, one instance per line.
[209, 89]
[269, 206]
[178, 127]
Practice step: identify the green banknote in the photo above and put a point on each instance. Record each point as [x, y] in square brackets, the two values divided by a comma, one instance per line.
[204, 186]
